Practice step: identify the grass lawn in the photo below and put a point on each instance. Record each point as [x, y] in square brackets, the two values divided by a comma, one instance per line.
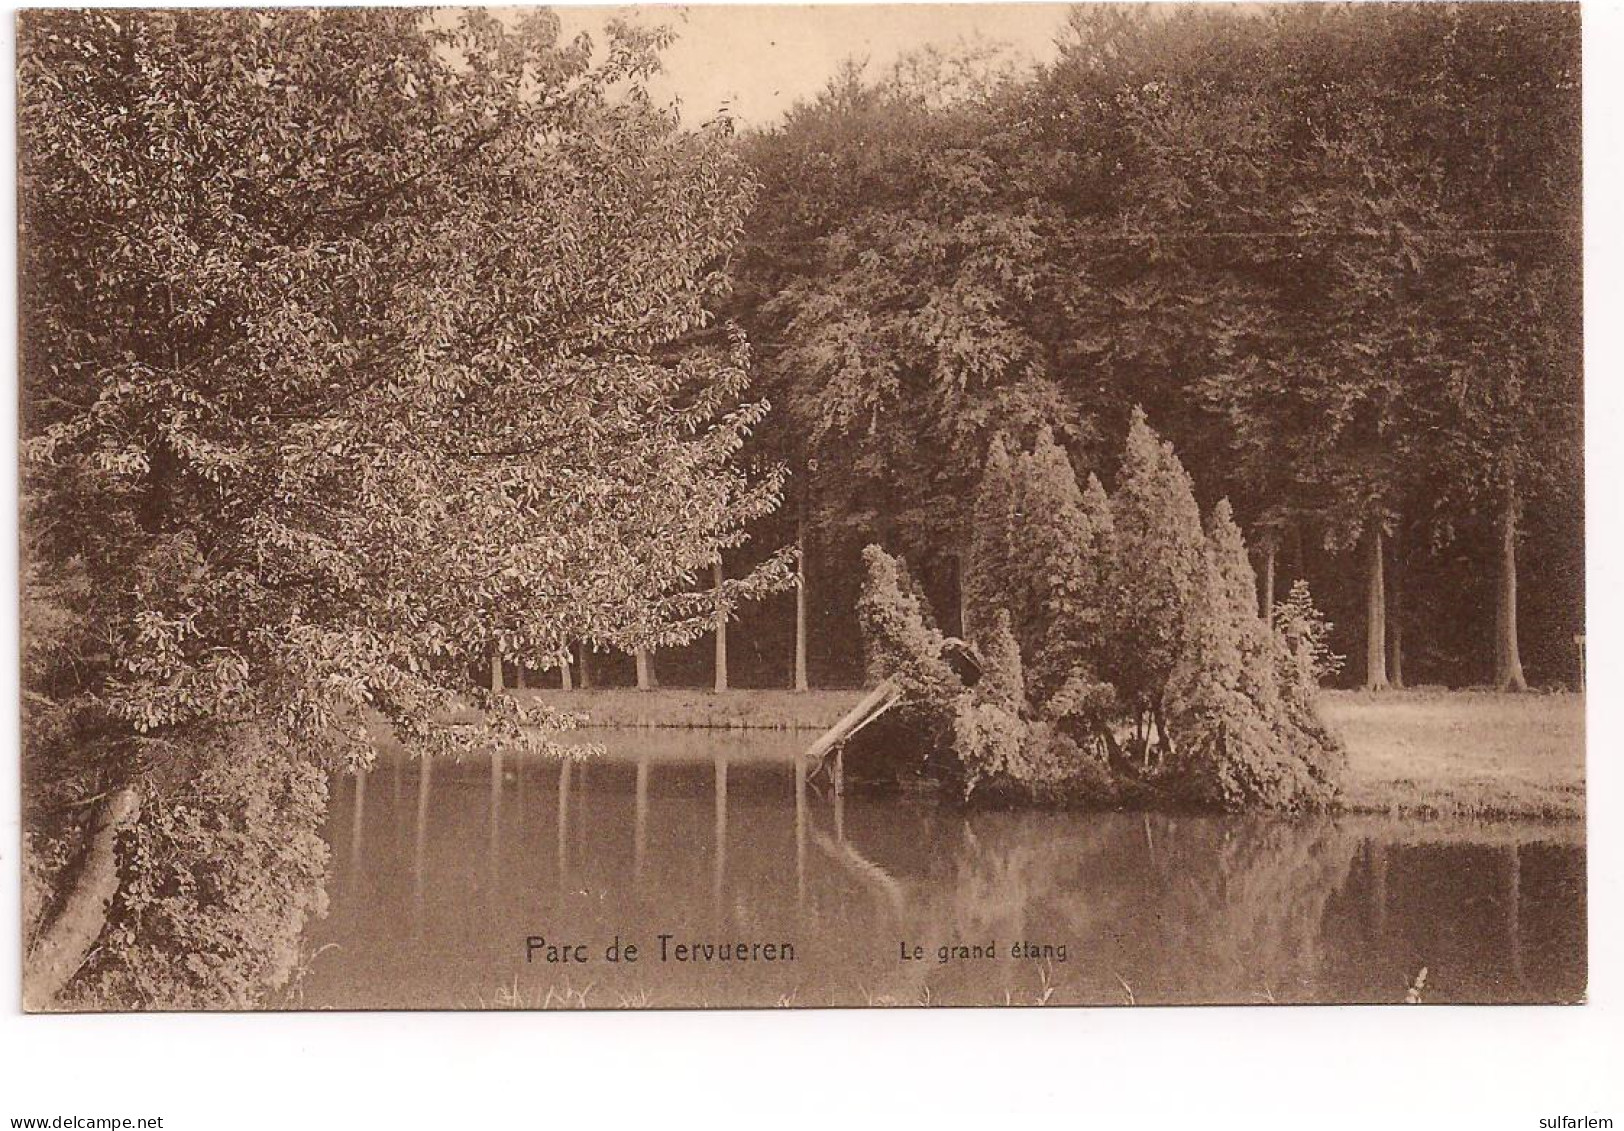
[1461, 753]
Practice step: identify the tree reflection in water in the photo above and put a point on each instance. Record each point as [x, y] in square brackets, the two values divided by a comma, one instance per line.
[719, 836]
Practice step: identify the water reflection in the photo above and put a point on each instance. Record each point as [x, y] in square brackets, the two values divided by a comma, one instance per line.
[642, 818]
[358, 818]
[719, 866]
[425, 773]
[893, 901]
[564, 821]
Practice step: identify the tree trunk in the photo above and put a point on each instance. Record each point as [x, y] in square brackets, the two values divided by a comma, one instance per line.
[494, 821]
[61, 949]
[1395, 625]
[1376, 618]
[800, 834]
[1508, 672]
[1269, 550]
[721, 629]
[1395, 654]
[1165, 748]
[358, 819]
[585, 672]
[518, 675]
[1299, 555]
[1511, 907]
[564, 680]
[959, 577]
[564, 819]
[645, 670]
[1378, 891]
[496, 674]
[800, 609]
[640, 828]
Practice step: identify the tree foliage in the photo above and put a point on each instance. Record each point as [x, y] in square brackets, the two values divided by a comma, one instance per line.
[1240, 724]
[992, 541]
[1306, 632]
[895, 290]
[1159, 564]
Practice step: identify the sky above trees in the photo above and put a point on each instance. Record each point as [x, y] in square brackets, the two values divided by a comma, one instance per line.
[757, 61]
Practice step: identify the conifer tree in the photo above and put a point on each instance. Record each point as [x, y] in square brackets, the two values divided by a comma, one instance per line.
[1243, 733]
[1161, 556]
[1222, 706]
[1236, 590]
[1306, 633]
[902, 644]
[986, 572]
[1082, 694]
[1003, 680]
[1101, 553]
[1099, 570]
[1052, 538]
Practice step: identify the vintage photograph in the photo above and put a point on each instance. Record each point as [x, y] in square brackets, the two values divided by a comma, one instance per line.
[749, 507]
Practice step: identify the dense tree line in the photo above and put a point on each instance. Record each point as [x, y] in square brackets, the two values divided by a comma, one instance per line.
[1332, 251]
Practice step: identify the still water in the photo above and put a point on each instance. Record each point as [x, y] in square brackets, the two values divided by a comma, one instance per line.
[445, 877]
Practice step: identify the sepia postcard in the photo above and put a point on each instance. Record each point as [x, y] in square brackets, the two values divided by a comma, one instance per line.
[747, 507]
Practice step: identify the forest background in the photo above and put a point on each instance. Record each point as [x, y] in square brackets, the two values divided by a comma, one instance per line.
[1333, 254]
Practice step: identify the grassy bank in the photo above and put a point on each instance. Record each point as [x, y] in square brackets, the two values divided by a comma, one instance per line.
[691, 708]
[1411, 753]
[1461, 753]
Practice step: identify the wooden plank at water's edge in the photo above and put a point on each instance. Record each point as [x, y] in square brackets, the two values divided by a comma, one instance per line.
[873, 705]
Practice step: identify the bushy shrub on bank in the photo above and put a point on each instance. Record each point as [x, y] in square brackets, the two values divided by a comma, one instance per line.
[998, 748]
[220, 869]
[219, 875]
[901, 642]
[1121, 646]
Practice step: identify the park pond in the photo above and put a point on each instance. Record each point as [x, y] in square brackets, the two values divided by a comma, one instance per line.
[523, 883]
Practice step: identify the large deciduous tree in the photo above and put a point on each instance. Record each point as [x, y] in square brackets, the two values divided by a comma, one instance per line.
[894, 279]
[1259, 225]
[359, 347]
